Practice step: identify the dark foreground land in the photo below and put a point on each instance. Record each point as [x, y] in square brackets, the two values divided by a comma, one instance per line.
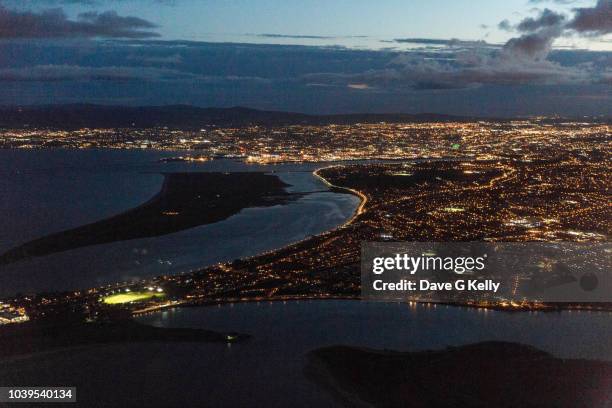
[37, 337]
[186, 200]
[485, 374]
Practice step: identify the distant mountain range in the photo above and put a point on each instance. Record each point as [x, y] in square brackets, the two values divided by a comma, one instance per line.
[189, 117]
[184, 116]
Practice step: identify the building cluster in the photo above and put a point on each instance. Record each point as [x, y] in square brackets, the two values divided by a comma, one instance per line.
[299, 143]
[482, 181]
[11, 314]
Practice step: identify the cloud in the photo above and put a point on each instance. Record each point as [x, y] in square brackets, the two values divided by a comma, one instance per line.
[468, 70]
[505, 25]
[313, 37]
[63, 73]
[546, 19]
[593, 20]
[523, 60]
[174, 59]
[543, 30]
[53, 23]
[85, 2]
[272, 77]
[77, 73]
[533, 46]
[447, 42]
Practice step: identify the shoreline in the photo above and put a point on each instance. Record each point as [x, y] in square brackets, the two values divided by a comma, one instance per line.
[332, 188]
[309, 298]
[364, 199]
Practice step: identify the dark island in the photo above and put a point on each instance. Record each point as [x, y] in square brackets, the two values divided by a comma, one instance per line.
[186, 200]
[479, 375]
[37, 337]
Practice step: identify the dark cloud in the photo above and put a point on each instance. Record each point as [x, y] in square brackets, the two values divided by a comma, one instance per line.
[546, 19]
[50, 73]
[505, 25]
[593, 20]
[466, 71]
[435, 41]
[523, 60]
[172, 59]
[53, 23]
[533, 46]
[543, 30]
[68, 73]
[314, 37]
[85, 2]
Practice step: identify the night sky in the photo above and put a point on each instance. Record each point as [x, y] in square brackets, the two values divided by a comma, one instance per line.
[477, 57]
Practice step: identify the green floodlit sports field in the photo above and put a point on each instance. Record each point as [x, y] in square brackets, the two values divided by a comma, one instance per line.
[130, 297]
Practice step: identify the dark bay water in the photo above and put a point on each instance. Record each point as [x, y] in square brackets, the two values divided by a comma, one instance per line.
[45, 191]
[268, 370]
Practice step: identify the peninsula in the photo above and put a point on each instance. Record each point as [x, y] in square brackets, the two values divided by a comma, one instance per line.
[186, 200]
